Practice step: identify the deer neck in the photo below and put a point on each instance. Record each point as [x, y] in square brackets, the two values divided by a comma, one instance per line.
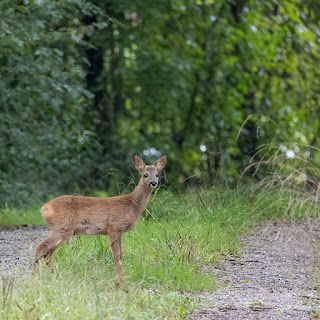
[140, 197]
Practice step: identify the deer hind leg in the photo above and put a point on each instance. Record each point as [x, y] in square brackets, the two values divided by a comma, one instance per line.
[46, 248]
[115, 243]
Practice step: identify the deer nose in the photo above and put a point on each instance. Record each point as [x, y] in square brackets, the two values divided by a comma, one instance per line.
[152, 183]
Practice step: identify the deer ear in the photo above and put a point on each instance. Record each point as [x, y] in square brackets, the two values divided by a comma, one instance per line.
[161, 162]
[138, 162]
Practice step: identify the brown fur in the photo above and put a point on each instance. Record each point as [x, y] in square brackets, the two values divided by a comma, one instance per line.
[71, 215]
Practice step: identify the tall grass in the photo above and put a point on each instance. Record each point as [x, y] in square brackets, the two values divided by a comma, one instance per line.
[176, 234]
[68, 296]
[290, 170]
[291, 174]
[163, 258]
[162, 255]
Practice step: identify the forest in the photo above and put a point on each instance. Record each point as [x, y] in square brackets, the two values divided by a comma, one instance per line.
[229, 90]
[215, 84]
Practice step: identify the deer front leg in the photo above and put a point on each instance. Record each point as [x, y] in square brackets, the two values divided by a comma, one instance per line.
[115, 243]
[46, 248]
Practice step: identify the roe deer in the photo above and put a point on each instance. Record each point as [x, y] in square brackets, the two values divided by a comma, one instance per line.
[71, 215]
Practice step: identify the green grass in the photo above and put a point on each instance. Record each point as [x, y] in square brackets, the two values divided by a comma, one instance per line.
[165, 253]
[13, 216]
[68, 296]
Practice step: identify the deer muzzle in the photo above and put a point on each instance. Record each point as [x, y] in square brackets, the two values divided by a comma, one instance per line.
[153, 184]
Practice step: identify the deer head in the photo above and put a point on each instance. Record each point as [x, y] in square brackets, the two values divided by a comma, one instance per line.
[149, 173]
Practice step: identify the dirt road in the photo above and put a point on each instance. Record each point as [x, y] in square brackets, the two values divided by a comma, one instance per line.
[273, 278]
[17, 246]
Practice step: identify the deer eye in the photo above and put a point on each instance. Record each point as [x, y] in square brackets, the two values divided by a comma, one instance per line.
[145, 175]
[156, 175]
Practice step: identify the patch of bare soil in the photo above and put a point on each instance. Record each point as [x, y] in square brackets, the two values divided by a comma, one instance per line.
[17, 247]
[273, 277]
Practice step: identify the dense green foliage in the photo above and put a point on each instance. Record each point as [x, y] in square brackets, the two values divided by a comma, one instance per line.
[85, 84]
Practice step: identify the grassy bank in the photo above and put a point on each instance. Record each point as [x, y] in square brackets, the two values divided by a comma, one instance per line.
[12, 216]
[164, 254]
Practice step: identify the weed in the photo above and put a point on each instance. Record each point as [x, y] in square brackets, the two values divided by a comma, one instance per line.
[292, 179]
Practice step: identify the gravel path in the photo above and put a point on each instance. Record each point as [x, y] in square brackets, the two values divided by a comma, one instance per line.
[272, 279]
[17, 247]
